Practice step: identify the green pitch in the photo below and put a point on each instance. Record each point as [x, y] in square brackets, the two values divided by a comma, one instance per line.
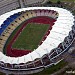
[31, 36]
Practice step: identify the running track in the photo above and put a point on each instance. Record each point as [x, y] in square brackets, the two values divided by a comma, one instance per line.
[15, 52]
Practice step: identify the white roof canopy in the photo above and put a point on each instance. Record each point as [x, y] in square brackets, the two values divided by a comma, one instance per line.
[59, 31]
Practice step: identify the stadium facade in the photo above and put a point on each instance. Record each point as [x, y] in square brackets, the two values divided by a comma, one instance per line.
[49, 52]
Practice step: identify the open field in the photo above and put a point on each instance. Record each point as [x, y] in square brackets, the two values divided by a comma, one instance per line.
[30, 36]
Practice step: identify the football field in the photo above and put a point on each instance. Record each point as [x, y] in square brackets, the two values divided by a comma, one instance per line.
[31, 36]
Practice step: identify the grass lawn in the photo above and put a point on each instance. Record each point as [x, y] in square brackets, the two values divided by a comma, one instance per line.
[52, 69]
[31, 36]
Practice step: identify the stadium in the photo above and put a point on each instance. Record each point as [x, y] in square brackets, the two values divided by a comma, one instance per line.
[34, 38]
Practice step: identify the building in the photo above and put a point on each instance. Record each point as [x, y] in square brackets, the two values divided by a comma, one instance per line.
[8, 5]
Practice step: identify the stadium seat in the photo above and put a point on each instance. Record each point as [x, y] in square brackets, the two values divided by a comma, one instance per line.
[15, 16]
[10, 19]
[6, 34]
[22, 18]
[9, 30]
[4, 38]
[23, 15]
[15, 23]
[30, 15]
[1, 30]
[6, 22]
[42, 13]
[33, 13]
[38, 13]
[26, 16]
[46, 13]
[18, 21]
[56, 15]
[12, 27]
[50, 14]
[1, 46]
[2, 43]
[3, 26]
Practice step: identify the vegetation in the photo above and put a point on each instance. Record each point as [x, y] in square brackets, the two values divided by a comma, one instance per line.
[53, 68]
[31, 36]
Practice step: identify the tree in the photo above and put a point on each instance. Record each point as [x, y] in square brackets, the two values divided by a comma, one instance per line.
[49, 2]
[58, 2]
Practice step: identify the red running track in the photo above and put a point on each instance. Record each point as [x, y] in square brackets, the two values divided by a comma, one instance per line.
[15, 52]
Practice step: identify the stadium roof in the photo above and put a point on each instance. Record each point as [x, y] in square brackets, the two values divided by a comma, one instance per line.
[59, 31]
